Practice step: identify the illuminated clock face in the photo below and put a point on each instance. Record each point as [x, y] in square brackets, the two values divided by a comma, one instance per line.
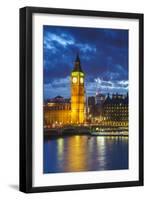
[81, 80]
[74, 80]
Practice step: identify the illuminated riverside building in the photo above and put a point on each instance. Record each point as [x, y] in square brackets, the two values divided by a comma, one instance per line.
[57, 112]
[62, 112]
[100, 98]
[108, 110]
[115, 110]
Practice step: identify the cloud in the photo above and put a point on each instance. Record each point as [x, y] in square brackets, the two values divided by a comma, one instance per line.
[86, 48]
[103, 53]
[60, 86]
[50, 39]
[112, 86]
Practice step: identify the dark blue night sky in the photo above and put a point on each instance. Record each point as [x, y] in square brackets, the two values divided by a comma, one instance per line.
[103, 54]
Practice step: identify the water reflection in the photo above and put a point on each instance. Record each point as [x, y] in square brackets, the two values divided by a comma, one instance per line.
[81, 153]
[76, 154]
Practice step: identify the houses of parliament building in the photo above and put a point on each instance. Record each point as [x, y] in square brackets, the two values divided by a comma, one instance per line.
[70, 111]
[77, 109]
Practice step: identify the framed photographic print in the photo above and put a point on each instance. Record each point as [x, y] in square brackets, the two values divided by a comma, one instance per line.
[81, 99]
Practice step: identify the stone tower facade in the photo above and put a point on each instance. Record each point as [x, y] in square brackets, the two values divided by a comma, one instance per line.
[77, 93]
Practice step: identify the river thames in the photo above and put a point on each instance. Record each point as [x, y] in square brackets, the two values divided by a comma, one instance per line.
[82, 153]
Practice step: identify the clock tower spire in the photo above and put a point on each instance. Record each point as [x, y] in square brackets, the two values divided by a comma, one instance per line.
[77, 64]
[77, 93]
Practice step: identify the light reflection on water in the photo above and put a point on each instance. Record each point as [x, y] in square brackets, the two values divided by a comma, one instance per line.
[81, 153]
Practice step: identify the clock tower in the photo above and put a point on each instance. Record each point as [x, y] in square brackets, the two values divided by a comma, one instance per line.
[77, 93]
